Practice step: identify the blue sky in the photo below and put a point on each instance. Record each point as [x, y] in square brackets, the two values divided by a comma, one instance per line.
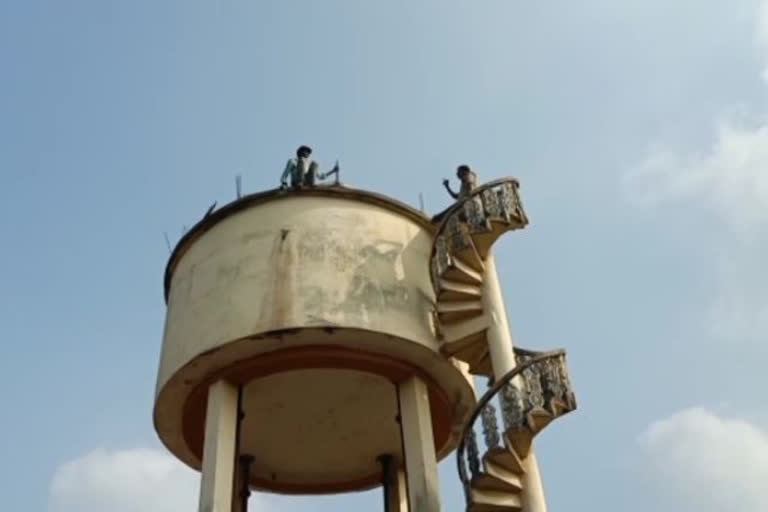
[639, 132]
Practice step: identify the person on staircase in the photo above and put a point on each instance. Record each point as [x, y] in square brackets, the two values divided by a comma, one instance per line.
[468, 181]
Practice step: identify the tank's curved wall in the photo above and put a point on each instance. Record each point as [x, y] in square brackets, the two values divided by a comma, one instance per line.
[296, 261]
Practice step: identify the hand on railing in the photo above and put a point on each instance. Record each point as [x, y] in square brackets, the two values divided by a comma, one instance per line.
[496, 201]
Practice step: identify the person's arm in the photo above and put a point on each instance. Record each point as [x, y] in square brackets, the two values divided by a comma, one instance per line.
[335, 170]
[447, 186]
[286, 173]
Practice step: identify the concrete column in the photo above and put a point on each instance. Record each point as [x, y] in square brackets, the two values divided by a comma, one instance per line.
[500, 347]
[418, 446]
[400, 493]
[242, 490]
[219, 448]
[499, 334]
[397, 494]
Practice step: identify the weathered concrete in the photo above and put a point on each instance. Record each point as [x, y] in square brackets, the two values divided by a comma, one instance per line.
[310, 271]
[503, 360]
[335, 421]
[216, 486]
[295, 262]
[420, 460]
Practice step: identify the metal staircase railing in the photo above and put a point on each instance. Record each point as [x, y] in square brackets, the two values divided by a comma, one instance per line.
[495, 202]
[523, 401]
[457, 267]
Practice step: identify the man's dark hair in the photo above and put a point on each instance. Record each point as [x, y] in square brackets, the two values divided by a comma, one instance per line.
[304, 149]
[462, 169]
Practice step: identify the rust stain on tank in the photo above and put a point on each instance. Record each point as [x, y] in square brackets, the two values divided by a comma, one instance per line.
[277, 309]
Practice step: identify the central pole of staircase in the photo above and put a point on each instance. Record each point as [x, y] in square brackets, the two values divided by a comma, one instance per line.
[502, 354]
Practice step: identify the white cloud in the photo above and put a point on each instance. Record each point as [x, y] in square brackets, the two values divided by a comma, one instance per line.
[709, 463]
[731, 181]
[136, 480]
[731, 178]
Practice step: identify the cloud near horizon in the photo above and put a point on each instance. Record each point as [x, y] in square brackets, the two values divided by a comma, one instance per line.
[148, 479]
[133, 480]
[707, 462]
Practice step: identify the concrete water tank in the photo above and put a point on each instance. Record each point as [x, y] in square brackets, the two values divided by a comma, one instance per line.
[315, 304]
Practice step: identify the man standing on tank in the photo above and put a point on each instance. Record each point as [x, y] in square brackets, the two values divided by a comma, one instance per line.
[302, 170]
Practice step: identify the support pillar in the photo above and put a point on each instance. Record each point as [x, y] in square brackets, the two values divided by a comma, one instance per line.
[418, 446]
[219, 448]
[503, 360]
[242, 486]
[398, 496]
[395, 492]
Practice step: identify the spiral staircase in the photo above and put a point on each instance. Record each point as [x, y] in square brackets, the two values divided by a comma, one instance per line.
[523, 401]
[461, 248]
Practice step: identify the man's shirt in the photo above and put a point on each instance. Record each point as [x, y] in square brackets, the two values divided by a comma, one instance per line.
[468, 185]
[296, 168]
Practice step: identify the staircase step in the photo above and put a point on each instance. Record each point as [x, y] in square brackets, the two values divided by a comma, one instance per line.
[494, 501]
[460, 334]
[449, 290]
[488, 482]
[451, 312]
[470, 353]
[519, 439]
[468, 350]
[505, 458]
[483, 365]
[481, 507]
[462, 272]
[470, 256]
[538, 419]
[512, 481]
[559, 407]
[484, 241]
